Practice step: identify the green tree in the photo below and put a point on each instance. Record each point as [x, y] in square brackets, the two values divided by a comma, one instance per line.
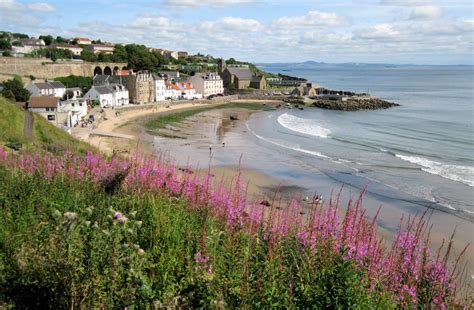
[6, 53]
[20, 35]
[120, 53]
[8, 94]
[87, 55]
[47, 39]
[5, 44]
[15, 86]
[60, 39]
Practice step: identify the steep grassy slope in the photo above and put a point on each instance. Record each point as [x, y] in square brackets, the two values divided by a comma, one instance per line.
[45, 135]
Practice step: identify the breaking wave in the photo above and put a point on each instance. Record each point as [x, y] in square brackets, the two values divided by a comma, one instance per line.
[303, 125]
[463, 174]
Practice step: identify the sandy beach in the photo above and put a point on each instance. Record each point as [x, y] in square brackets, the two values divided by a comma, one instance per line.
[216, 139]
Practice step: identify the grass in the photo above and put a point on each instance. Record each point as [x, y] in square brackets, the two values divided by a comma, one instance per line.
[11, 122]
[87, 232]
[162, 120]
[64, 246]
[45, 135]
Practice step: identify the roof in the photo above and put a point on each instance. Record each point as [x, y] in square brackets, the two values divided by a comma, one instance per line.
[66, 46]
[257, 78]
[186, 85]
[241, 73]
[43, 102]
[103, 90]
[99, 80]
[57, 84]
[43, 85]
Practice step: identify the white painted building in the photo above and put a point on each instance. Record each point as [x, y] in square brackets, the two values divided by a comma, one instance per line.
[160, 88]
[121, 95]
[109, 96]
[207, 83]
[188, 91]
[76, 50]
[101, 48]
[28, 46]
[84, 41]
[53, 88]
[172, 91]
[42, 104]
[75, 110]
[103, 94]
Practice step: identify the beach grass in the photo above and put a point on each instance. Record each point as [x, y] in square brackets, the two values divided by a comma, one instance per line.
[162, 120]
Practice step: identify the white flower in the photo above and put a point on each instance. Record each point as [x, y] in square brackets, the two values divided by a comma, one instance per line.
[70, 215]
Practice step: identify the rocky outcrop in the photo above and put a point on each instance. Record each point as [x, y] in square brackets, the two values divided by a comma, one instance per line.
[371, 103]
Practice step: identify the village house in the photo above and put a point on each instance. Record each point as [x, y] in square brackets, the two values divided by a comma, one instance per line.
[140, 86]
[160, 88]
[83, 41]
[43, 104]
[101, 48]
[182, 55]
[170, 54]
[64, 114]
[188, 91]
[28, 46]
[102, 94]
[47, 88]
[172, 91]
[76, 109]
[239, 77]
[76, 50]
[207, 84]
[108, 92]
[258, 82]
[74, 92]
[306, 89]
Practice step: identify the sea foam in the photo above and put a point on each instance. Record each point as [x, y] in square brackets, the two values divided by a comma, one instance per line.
[303, 125]
[287, 146]
[463, 174]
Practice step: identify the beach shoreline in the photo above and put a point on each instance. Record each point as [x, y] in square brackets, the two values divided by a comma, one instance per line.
[194, 152]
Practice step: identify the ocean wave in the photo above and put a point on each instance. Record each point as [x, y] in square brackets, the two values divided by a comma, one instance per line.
[303, 125]
[463, 174]
[287, 146]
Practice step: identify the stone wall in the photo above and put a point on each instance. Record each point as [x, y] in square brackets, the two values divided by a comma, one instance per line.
[47, 69]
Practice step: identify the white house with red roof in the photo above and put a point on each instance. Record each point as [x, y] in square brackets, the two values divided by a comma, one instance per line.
[84, 41]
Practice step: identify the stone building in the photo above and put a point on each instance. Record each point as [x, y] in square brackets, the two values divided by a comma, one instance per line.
[207, 84]
[258, 82]
[239, 77]
[140, 85]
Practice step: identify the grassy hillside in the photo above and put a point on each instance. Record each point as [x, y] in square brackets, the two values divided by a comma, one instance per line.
[86, 232]
[45, 135]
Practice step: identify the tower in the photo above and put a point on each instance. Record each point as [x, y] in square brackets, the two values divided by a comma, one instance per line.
[221, 65]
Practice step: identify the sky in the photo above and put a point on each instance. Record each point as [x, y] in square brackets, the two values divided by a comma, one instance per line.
[265, 31]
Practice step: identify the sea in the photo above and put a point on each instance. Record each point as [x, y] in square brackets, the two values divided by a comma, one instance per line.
[419, 155]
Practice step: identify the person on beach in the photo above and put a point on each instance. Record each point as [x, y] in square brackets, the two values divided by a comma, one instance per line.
[210, 149]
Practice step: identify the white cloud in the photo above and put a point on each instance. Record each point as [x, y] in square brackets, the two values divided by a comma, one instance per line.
[10, 5]
[405, 2]
[426, 12]
[379, 31]
[215, 3]
[231, 24]
[41, 6]
[312, 19]
[151, 21]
